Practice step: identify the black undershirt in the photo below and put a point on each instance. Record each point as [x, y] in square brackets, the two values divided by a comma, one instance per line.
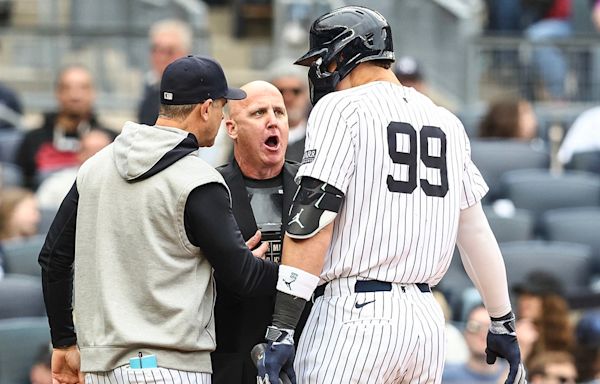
[266, 200]
[209, 224]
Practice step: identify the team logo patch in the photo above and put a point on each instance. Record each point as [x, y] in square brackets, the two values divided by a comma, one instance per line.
[309, 156]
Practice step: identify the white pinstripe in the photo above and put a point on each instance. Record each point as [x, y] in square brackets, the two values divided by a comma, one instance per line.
[385, 231]
[398, 338]
[126, 375]
[379, 234]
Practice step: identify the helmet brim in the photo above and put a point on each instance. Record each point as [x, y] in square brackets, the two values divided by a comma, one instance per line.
[310, 57]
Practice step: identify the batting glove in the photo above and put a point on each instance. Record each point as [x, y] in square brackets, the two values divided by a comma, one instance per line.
[279, 356]
[502, 342]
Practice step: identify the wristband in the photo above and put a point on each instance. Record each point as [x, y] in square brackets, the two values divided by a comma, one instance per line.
[504, 325]
[296, 282]
[277, 335]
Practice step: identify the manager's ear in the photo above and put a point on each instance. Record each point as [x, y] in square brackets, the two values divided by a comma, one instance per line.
[204, 109]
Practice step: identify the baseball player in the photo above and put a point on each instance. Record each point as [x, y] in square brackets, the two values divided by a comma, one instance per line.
[386, 189]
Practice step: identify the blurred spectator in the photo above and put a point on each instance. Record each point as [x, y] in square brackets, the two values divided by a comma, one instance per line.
[550, 20]
[527, 335]
[409, 73]
[54, 145]
[19, 214]
[456, 347]
[540, 300]
[476, 369]
[292, 82]
[509, 119]
[587, 352]
[552, 368]
[54, 188]
[170, 39]
[582, 136]
[504, 16]
[596, 14]
[10, 108]
[41, 372]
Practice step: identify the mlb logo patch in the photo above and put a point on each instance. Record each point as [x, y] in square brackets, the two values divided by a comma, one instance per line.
[167, 96]
[309, 156]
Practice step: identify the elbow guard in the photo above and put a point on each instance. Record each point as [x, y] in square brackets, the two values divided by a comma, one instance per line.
[315, 205]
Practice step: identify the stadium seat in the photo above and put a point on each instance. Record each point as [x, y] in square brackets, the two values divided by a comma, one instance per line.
[47, 217]
[21, 255]
[569, 262]
[470, 118]
[453, 284]
[21, 296]
[516, 227]
[585, 161]
[10, 139]
[20, 342]
[495, 157]
[540, 191]
[10, 175]
[575, 225]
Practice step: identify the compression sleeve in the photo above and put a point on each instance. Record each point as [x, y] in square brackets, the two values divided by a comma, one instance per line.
[56, 259]
[483, 261]
[210, 225]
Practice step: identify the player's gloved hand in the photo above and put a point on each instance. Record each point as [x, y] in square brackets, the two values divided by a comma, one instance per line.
[502, 342]
[279, 356]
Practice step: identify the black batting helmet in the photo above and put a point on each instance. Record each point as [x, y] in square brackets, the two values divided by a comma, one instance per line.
[347, 36]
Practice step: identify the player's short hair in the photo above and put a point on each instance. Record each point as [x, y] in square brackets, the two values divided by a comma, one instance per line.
[385, 64]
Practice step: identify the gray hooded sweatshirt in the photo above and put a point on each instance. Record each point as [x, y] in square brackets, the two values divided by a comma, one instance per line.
[140, 285]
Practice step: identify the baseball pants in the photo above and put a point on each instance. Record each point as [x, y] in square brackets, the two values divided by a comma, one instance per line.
[126, 375]
[394, 335]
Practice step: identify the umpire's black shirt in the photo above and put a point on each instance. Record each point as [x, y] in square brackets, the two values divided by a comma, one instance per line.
[241, 323]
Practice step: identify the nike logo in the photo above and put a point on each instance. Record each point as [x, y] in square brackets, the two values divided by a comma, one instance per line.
[359, 306]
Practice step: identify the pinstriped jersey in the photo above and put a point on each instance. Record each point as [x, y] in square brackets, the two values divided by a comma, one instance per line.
[405, 168]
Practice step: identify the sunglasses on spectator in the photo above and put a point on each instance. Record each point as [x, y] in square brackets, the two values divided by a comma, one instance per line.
[473, 326]
[294, 91]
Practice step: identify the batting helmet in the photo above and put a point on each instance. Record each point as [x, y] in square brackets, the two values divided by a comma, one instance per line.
[347, 36]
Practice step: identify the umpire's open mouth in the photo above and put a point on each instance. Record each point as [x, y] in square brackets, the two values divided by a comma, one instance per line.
[272, 142]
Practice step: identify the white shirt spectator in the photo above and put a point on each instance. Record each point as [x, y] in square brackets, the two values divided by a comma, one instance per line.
[583, 136]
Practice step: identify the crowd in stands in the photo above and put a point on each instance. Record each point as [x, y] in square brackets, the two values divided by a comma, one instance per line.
[559, 343]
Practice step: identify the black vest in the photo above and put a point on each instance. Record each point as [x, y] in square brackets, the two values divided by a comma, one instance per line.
[241, 323]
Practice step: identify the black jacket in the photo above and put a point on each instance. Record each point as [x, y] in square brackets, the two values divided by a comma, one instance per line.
[241, 323]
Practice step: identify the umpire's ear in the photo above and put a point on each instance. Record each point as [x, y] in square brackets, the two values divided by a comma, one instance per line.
[232, 128]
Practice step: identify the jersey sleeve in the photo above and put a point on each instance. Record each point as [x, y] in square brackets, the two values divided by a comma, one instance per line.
[329, 146]
[474, 186]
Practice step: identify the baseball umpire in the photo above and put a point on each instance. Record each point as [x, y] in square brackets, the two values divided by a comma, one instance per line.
[386, 189]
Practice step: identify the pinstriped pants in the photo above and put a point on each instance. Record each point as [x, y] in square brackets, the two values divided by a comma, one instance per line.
[126, 375]
[372, 337]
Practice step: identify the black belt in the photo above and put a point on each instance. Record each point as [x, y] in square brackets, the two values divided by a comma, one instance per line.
[371, 286]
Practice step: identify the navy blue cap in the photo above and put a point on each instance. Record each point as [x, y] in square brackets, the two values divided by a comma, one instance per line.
[193, 80]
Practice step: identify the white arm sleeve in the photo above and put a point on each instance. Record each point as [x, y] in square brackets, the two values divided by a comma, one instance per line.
[483, 261]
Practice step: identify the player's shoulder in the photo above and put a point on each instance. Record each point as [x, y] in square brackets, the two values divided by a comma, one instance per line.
[335, 101]
[443, 113]
[449, 116]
